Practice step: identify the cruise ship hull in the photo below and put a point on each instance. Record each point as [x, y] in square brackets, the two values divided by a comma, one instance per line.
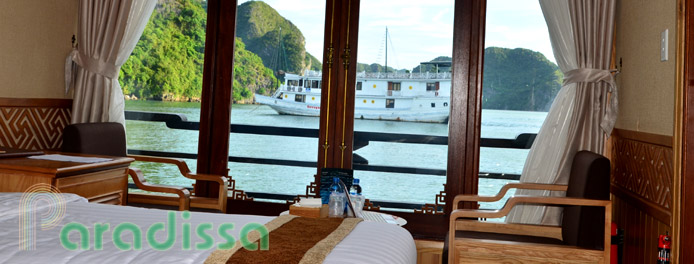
[418, 112]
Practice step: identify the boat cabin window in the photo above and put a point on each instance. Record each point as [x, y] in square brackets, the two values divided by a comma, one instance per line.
[358, 86]
[292, 83]
[300, 98]
[390, 103]
[307, 84]
[433, 104]
[315, 84]
[394, 86]
[301, 82]
[433, 86]
[280, 95]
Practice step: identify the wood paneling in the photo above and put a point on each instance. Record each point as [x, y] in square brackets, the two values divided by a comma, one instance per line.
[34, 124]
[642, 186]
[429, 252]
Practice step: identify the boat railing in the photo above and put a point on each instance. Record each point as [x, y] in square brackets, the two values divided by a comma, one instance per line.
[361, 139]
[404, 75]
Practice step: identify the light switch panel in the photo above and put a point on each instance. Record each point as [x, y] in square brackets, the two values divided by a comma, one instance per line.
[663, 45]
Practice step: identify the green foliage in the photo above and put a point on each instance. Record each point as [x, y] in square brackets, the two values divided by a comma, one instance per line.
[250, 75]
[167, 62]
[518, 79]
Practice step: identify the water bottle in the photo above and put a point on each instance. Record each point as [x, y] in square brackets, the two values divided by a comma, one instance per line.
[336, 206]
[355, 189]
[356, 197]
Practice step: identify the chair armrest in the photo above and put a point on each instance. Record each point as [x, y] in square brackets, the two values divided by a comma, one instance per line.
[141, 182]
[513, 201]
[182, 166]
[527, 186]
[508, 228]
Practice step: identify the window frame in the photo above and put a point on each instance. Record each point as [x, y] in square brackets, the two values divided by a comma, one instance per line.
[337, 124]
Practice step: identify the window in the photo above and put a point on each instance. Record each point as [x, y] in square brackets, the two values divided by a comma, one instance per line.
[300, 98]
[358, 86]
[433, 104]
[301, 82]
[315, 84]
[390, 103]
[307, 84]
[394, 86]
[432, 86]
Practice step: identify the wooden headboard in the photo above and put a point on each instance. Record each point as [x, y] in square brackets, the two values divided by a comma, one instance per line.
[35, 124]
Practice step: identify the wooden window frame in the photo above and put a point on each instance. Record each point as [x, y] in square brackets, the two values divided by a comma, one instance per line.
[337, 103]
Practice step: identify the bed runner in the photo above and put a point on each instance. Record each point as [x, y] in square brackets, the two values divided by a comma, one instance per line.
[292, 240]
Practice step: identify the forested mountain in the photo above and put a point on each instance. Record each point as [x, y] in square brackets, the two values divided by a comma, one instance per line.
[167, 62]
[518, 79]
[260, 26]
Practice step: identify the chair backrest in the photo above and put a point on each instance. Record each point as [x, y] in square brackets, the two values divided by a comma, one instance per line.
[95, 138]
[583, 226]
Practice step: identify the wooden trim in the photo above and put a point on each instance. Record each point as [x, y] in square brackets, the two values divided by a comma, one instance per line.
[511, 229]
[215, 111]
[466, 100]
[684, 136]
[655, 139]
[35, 102]
[657, 211]
[504, 190]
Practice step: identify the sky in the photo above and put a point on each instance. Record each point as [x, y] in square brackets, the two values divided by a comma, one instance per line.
[420, 30]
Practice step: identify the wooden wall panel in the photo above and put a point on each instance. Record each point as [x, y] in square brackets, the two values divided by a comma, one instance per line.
[642, 184]
[35, 124]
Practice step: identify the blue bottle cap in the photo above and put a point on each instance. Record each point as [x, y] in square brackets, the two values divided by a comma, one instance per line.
[355, 181]
[335, 179]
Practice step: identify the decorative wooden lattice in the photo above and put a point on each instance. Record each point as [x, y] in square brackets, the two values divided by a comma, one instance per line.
[436, 207]
[34, 128]
[236, 194]
[645, 170]
[311, 192]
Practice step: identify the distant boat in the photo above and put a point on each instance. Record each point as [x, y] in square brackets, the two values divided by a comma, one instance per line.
[414, 97]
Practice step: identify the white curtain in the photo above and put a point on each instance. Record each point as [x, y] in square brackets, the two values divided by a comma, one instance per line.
[108, 32]
[581, 33]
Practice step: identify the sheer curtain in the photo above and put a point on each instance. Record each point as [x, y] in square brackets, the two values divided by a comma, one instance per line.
[581, 33]
[108, 33]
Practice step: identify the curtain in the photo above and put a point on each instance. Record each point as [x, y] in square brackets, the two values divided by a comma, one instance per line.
[108, 32]
[581, 33]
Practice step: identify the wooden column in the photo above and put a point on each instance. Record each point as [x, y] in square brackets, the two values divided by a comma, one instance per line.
[685, 134]
[339, 74]
[215, 112]
[466, 99]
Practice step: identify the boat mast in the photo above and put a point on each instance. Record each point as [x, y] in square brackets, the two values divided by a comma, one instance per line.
[386, 69]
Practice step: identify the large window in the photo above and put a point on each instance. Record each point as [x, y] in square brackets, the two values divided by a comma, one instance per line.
[164, 74]
[399, 167]
[279, 51]
[520, 82]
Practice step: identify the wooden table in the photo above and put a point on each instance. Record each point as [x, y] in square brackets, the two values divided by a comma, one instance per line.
[101, 182]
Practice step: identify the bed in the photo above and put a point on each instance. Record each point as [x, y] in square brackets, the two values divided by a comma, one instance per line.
[369, 242]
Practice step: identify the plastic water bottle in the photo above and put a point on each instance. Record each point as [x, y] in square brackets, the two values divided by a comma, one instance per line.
[356, 197]
[355, 189]
[336, 206]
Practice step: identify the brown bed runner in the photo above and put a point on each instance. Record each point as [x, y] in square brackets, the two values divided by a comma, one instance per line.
[292, 240]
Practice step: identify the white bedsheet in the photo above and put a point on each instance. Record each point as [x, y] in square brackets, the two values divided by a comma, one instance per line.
[368, 243]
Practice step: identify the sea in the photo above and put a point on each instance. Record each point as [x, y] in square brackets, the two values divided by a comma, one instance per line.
[411, 188]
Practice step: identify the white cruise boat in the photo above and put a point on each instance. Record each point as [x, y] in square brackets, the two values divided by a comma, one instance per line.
[414, 97]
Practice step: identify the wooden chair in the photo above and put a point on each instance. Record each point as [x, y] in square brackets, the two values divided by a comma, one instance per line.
[583, 237]
[109, 139]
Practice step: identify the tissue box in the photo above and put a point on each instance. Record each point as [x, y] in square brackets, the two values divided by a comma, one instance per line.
[312, 212]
